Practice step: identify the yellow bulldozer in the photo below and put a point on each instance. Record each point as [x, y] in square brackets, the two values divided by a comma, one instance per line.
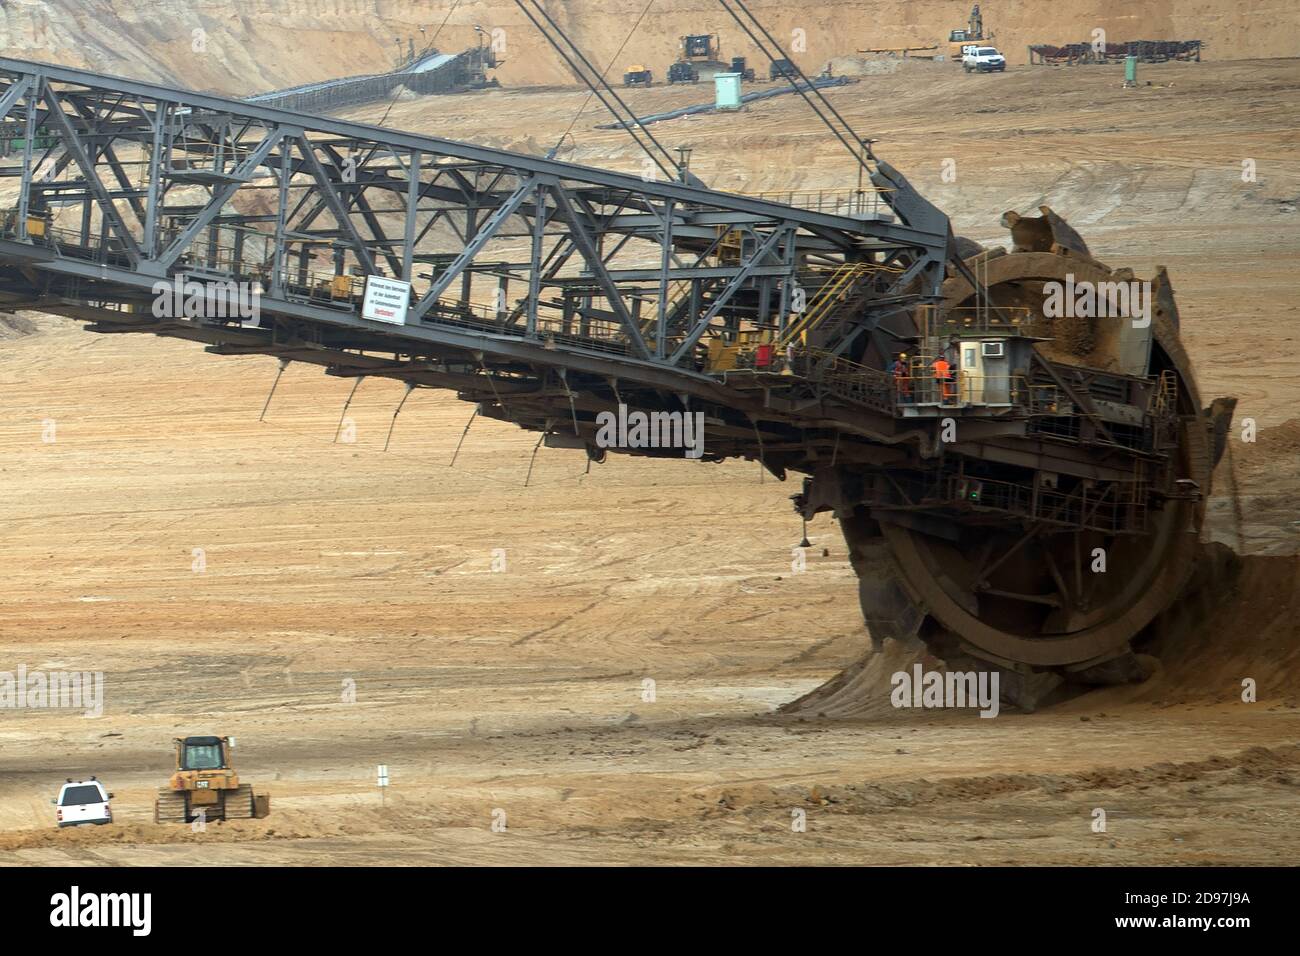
[206, 787]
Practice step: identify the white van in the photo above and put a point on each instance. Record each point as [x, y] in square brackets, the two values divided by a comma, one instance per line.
[83, 801]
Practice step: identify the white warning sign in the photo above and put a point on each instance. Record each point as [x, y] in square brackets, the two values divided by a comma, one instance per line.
[387, 300]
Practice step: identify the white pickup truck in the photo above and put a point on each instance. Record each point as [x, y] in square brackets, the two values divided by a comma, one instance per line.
[983, 59]
[83, 801]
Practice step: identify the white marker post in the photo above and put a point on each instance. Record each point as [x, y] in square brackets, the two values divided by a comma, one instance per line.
[382, 781]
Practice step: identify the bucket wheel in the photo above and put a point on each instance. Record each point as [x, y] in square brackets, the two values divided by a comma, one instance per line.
[1061, 599]
[1033, 600]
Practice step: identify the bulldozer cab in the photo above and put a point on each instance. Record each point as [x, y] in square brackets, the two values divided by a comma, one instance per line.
[202, 753]
[700, 46]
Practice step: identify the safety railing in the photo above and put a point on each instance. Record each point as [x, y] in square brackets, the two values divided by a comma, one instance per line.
[1115, 508]
[856, 202]
[860, 384]
[916, 386]
[253, 258]
[841, 377]
[349, 291]
[975, 319]
[68, 242]
[344, 292]
[322, 288]
[958, 389]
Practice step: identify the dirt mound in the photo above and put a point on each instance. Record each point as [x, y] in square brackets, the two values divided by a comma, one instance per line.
[1280, 441]
[1239, 620]
[15, 326]
[862, 689]
[1253, 505]
[1277, 764]
[878, 64]
[135, 834]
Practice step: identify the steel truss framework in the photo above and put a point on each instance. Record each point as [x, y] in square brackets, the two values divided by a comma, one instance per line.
[153, 181]
[524, 270]
[544, 290]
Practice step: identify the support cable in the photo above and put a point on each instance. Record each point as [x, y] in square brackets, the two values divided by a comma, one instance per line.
[599, 88]
[614, 59]
[284, 363]
[456, 454]
[410, 387]
[533, 459]
[393, 101]
[344, 414]
[859, 146]
[573, 410]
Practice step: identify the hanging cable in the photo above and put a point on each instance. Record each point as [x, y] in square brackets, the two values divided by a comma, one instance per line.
[859, 148]
[573, 409]
[393, 101]
[614, 59]
[462, 438]
[533, 459]
[410, 387]
[343, 416]
[592, 78]
[284, 363]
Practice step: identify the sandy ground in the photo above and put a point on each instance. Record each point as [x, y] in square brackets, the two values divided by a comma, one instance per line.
[522, 691]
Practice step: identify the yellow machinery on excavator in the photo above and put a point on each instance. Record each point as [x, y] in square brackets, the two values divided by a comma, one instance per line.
[961, 42]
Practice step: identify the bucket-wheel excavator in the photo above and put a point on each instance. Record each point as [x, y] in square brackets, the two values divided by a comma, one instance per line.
[1018, 484]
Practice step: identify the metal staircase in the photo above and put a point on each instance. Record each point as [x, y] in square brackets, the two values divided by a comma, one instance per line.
[833, 300]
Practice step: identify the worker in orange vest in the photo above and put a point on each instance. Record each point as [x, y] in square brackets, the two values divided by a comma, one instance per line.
[943, 377]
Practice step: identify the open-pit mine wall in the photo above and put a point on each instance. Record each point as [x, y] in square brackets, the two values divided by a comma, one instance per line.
[246, 46]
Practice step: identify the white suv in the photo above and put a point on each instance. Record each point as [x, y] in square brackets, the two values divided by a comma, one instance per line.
[983, 59]
[83, 801]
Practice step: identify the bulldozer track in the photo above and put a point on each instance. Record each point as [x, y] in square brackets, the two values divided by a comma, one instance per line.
[238, 803]
[170, 807]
